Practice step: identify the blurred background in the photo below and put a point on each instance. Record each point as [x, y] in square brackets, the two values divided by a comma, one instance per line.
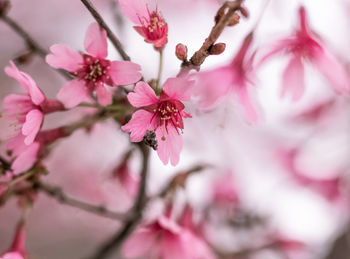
[278, 189]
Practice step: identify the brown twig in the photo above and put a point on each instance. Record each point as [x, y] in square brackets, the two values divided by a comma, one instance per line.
[57, 193]
[224, 18]
[31, 43]
[115, 41]
[135, 216]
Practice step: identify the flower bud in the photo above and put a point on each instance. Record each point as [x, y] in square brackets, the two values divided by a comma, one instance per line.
[217, 49]
[181, 51]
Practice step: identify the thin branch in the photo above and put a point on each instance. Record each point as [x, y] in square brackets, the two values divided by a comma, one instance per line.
[57, 193]
[115, 41]
[31, 43]
[223, 20]
[117, 240]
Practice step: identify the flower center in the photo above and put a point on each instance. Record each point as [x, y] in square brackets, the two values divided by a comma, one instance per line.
[155, 27]
[94, 71]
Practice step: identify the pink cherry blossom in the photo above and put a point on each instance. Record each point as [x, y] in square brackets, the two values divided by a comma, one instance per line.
[17, 249]
[163, 114]
[165, 239]
[328, 188]
[212, 86]
[224, 190]
[92, 71]
[126, 178]
[28, 109]
[150, 24]
[306, 47]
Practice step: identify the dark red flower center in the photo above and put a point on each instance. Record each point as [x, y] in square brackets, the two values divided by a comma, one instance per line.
[155, 27]
[94, 71]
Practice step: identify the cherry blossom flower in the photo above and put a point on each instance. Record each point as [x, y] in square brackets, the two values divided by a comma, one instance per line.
[328, 188]
[149, 24]
[17, 249]
[224, 190]
[305, 46]
[212, 86]
[165, 239]
[28, 109]
[92, 71]
[163, 114]
[126, 178]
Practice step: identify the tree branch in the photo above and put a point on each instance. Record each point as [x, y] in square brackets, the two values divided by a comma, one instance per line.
[117, 240]
[115, 41]
[31, 43]
[57, 193]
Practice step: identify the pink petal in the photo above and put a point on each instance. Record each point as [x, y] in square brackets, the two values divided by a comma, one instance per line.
[143, 95]
[27, 83]
[16, 104]
[16, 144]
[212, 86]
[134, 9]
[170, 147]
[195, 247]
[139, 243]
[179, 88]
[138, 125]
[26, 159]
[104, 96]
[12, 255]
[245, 100]
[172, 247]
[73, 93]
[124, 72]
[96, 41]
[334, 71]
[63, 57]
[293, 79]
[32, 125]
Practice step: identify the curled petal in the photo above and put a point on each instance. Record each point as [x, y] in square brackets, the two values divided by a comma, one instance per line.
[104, 96]
[27, 83]
[63, 57]
[32, 125]
[169, 145]
[334, 71]
[73, 93]
[26, 159]
[143, 95]
[96, 41]
[138, 125]
[179, 88]
[124, 72]
[293, 79]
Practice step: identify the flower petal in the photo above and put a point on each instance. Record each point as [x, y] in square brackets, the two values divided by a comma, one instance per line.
[333, 70]
[73, 93]
[27, 83]
[179, 88]
[143, 95]
[124, 72]
[134, 10]
[63, 57]
[245, 100]
[139, 243]
[12, 255]
[138, 125]
[104, 96]
[96, 41]
[32, 125]
[26, 159]
[293, 79]
[169, 145]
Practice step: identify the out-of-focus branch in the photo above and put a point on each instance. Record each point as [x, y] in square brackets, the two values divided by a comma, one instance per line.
[115, 41]
[57, 193]
[32, 44]
[226, 16]
[341, 246]
[136, 213]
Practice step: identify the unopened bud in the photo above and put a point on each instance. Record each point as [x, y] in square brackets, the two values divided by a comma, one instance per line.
[244, 12]
[150, 139]
[234, 19]
[217, 49]
[181, 52]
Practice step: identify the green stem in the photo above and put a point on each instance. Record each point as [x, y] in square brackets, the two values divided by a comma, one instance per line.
[160, 69]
